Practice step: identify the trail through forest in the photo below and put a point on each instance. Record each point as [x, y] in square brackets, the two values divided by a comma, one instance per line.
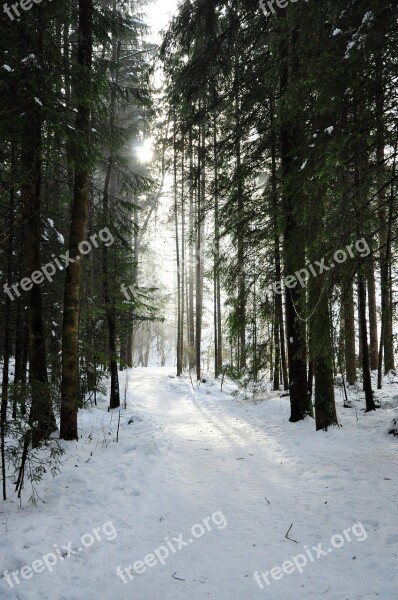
[199, 300]
[230, 475]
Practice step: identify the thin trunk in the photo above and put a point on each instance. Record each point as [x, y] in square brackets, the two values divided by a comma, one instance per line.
[217, 282]
[279, 336]
[349, 335]
[360, 341]
[41, 411]
[385, 280]
[7, 319]
[182, 255]
[388, 262]
[374, 346]
[110, 189]
[285, 374]
[191, 275]
[7, 344]
[367, 382]
[200, 247]
[276, 381]
[241, 282]
[179, 315]
[311, 378]
[129, 356]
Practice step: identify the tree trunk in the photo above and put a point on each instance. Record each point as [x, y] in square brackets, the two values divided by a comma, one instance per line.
[41, 411]
[240, 232]
[191, 274]
[374, 345]
[277, 363]
[177, 246]
[182, 256]
[200, 247]
[218, 359]
[7, 323]
[367, 382]
[322, 351]
[279, 337]
[349, 335]
[360, 340]
[294, 250]
[70, 325]
[385, 278]
[130, 348]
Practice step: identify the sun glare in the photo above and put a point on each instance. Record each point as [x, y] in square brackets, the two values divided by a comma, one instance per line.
[145, 151]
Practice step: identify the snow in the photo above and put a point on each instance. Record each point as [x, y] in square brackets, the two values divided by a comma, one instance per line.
[350, 45]
[369, 16]
[304, 165]
[139, 22]
[329, 130]
[28, 58]
[188, 456]
[59, 235]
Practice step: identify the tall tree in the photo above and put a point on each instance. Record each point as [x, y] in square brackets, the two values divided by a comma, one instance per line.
[83, 166]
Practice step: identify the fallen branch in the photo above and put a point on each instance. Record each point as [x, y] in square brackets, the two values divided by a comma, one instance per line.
[118, 429]
[190, 376]
[287, 535]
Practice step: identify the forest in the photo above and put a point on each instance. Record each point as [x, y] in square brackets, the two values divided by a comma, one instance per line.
[199, 243]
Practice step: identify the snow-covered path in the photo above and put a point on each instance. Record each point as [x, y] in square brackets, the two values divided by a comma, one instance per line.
[241, 471]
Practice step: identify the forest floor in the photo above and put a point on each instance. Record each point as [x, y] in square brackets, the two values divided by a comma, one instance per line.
[212, 485]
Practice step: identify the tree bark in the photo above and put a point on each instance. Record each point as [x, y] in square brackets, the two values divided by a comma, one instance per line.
[294, 250]
[367, 382]
[110, 188]
[191, 273]
[41, 415]
[322, 351]
[349, 335]
[177, 247]
[385, 278]
[374, 345]
[200, 247]
[218, 359]
[70, 325]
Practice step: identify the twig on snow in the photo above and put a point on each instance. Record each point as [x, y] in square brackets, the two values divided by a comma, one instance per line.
[287, 535]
